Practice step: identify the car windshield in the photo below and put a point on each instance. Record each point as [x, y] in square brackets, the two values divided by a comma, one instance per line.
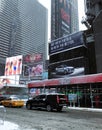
[14, 98]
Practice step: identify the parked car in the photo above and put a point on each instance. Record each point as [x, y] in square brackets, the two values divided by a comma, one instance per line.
[64, 69]
[48, 101]
[12, 102]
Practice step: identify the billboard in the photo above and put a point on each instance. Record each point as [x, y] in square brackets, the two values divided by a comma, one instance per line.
[33, 65]
[32, 58]
[67, 42]
[60, 18]
[13, 65]
[68, 68]
[65, 16]
[8, 80]
[33, 70]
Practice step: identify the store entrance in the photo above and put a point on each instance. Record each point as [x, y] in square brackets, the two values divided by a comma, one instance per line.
[88, 95]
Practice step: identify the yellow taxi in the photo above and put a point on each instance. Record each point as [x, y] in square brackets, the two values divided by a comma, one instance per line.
[12, 102]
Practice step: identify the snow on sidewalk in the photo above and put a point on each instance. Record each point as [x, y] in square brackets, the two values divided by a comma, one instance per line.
[8, 126]
[86, 109]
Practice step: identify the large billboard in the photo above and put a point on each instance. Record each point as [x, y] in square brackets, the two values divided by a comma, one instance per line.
[65, 16]
[68, 68]
[67, 42]
[33, 65]
[60, 18]
[33, 70]
[13, 65]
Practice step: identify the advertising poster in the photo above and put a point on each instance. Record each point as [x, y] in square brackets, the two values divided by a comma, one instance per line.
[34, 92]
[67, 42]
[60, 18]
[5, 80]
[13, 65]
[33, 65]
[75, 67]
[33, 70]
[65, 16]
[32, 58]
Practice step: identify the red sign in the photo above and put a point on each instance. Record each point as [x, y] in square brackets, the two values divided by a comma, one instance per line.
[32, 58]
[95, 78]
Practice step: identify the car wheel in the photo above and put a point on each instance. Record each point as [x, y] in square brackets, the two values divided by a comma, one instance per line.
[28, 106]
[49, 108]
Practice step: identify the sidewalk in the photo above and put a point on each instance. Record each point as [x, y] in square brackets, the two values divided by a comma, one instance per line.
[86, 109]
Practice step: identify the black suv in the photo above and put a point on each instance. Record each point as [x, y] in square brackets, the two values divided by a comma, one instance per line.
[48, 102]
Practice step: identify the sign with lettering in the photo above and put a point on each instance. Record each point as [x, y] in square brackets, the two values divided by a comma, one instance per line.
[66, 42]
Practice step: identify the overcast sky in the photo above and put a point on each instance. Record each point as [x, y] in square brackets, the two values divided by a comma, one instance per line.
[47, 4]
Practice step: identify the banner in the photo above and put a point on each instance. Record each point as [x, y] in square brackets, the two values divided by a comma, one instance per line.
[13, 65]
[32, 58]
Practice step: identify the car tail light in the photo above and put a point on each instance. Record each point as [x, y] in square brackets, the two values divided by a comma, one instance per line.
[58, 99]
[66, 99]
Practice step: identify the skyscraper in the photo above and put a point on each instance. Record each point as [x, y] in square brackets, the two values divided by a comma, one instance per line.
[23, 28]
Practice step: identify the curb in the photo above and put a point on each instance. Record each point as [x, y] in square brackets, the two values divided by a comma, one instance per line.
[86, 109]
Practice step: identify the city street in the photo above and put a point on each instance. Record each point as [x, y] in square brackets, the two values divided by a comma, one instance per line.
[68, 119]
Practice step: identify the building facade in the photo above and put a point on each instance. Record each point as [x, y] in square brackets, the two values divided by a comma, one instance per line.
[23, 28]
[64, 18]
[93, 12]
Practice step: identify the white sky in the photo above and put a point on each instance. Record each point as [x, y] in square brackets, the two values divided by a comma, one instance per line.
[47, 3]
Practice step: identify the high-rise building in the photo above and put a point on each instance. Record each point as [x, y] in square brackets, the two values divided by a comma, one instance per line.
[64, 18]
[23, 28]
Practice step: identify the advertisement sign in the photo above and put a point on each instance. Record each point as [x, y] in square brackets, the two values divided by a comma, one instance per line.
[13, 79]
[67, 42]
[45, 75]
[34, 91]
[32, 58]
[13, 65]
[33, 70]
[72, 97]
[75, 67]
[60, 18]
[65, 16]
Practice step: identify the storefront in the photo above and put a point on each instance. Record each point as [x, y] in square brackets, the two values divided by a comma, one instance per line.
[82, 91]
